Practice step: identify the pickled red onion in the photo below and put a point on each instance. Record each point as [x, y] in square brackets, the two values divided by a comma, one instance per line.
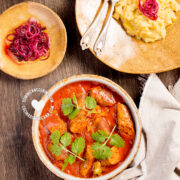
[29, 42]
[149, 9]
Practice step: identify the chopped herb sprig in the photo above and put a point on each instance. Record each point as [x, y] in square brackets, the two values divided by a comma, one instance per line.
[71, 108]
[60, 143]
[102, 151]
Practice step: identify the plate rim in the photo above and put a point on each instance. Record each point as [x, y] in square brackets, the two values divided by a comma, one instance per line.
[31, 76]
[120, 69]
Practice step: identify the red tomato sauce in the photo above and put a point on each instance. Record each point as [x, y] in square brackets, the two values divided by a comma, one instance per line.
[10, 56]
[66, 92]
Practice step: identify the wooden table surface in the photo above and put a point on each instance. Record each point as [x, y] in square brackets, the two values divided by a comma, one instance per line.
[18, 159]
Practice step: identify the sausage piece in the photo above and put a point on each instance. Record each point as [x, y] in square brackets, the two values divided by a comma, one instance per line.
[115, 158]
[64, 154]
[81, 97]
[101, 124]
[86, 166]
[102, 96]
[125, 122]
[56, 123]
[79, 123]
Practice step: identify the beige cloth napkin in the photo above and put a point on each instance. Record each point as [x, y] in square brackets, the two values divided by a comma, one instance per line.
[159, 155]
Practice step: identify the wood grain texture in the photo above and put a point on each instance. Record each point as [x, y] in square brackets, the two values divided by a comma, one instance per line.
[18, 159]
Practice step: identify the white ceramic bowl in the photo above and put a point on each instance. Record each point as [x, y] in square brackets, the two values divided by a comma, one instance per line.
[127, 99]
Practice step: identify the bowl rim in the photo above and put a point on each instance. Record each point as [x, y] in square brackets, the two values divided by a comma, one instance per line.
[41, 74]
[115, 87]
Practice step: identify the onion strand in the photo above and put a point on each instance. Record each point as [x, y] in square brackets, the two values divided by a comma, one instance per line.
[149, 9]
[29, 42]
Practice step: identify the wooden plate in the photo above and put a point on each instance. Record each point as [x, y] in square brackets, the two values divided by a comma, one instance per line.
[17, 15]
[125, 53]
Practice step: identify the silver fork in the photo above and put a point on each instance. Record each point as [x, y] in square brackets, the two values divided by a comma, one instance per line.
[87, 37]
[100, 42]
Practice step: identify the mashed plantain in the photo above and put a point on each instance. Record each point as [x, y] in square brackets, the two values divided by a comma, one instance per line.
[140, 26]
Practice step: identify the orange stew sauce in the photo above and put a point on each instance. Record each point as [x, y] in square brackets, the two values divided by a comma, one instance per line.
[110, 118]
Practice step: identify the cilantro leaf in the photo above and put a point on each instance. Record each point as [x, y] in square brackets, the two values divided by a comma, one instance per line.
[101, 151]
[70, 159]
[99, 136]
[72, 110]
[67, 106]
[74, 113]
[90, 102]
[55, 149]
[117, 141]
[75, 100]
[66, 139]
[78, 145]
[55, 136]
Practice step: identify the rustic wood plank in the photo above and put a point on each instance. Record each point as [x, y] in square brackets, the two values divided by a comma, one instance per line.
[19, 160]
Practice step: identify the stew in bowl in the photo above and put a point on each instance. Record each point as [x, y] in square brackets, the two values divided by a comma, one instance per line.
[93, 131]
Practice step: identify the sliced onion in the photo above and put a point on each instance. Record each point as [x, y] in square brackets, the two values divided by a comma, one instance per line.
[29, 42]
[149, 9]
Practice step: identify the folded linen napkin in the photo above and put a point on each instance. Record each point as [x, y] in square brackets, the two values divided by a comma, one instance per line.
[158, 157]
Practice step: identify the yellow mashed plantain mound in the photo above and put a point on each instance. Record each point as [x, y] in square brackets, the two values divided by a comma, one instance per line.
[140, 26]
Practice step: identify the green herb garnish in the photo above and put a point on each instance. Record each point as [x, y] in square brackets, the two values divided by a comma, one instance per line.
[71, 108]
[55, 149]
[74, 113]
[102, 151]
[75, 100]
[70, 159]
[55, 136]
[90, 102]
[60, 143]
[99, 136]
[66, 139]
[117, 141]
[78, 145]
[67, 106]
